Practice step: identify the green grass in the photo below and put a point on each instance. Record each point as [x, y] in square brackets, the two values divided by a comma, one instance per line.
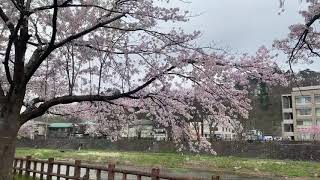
[22, 178]
[252, 166]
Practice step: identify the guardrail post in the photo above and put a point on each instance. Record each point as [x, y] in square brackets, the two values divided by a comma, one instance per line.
[50, 168]
[67, 171]
[15, 163]
[124, 177]
[58, 171]
[42, 171]
[139, 177]
[77, 169]
[111, 172]
[155, 172]
[98, 175]
[34, 174]
[28, 165]
[21, 166]
[87, 175]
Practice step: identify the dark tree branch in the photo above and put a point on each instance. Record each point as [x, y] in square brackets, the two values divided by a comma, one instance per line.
[6, 20]
[1, 90]
[37, 35]
[28, 3]
[33, 113]
[64, 5]
[54, 24]
[80, 34]
[301, 40]
[12, 38]
[311, 49]
[34, 63]
[16, 5]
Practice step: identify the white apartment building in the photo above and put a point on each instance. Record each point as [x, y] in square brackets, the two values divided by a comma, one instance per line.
[301, 114]
[143, 129]
[221, 131]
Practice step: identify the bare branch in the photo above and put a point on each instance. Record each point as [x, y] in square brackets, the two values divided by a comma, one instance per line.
[17, 5]
[54, 23]
[80, 34]
[302, 39]
[27, 115]
[12, 38]
[1, 90]
[6, 20]
[36, 34]
[70, 5]
[33, 64]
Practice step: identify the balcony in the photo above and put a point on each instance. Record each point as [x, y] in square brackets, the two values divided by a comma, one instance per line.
[288, 121]
[287, 134]
[287, 110]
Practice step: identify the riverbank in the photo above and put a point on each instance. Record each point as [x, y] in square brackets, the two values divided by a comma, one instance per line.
[247, 166]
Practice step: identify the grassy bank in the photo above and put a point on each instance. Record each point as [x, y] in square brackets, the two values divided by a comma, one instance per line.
[22, 178]
[236, 165]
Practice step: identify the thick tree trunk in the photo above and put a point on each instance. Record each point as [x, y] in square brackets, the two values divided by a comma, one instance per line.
[7, 150]
[8, 132]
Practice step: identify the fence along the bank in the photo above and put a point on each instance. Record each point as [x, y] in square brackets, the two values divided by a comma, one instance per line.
[45, 170]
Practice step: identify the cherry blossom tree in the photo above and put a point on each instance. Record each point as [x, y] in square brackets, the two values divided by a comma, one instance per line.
[312, 131]
[302, 43]
[108, 58]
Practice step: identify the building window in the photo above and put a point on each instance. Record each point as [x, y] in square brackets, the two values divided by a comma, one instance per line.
[288, 127]
[306, 136]
[317, 99]
[317, 111]
[288, 116]
[303, 99]
[304, 112]
[286, 102]
[318, 122]
[305, 122]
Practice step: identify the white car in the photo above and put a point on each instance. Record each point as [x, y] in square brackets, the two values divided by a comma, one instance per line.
[268, 138]
[277, 138]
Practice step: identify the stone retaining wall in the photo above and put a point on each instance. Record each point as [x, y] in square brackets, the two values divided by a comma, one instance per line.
[273, 150]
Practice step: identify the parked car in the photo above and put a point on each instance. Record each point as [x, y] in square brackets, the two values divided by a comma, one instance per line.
[268, 138]
[78, 135]
[277, 138]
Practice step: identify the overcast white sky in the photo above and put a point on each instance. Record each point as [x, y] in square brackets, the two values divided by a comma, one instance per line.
[242, 25]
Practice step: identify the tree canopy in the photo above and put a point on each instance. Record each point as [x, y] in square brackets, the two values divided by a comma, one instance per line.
[113, 56]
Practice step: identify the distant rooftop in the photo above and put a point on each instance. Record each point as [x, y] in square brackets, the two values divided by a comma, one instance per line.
[306, 88]
[61, 125]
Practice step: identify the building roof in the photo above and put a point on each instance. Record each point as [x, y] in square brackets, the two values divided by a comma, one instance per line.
[61, 125]
[305, 88]
[87, 123]
[142, 122]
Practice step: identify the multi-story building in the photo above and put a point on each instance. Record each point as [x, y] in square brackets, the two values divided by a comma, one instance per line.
[143, 129]
[301, 114]
[224, 131]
